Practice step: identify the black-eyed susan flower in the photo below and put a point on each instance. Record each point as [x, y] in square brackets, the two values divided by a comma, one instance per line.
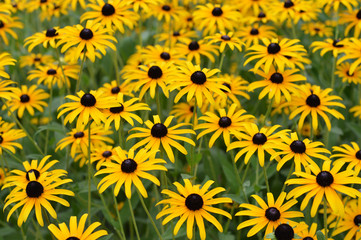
[102, 154]
[183, 112]
[182, 35]
[52, 74]
[36, 194]
[300, 61]
[158, 133]
[356, 110]
[38, 168]
[270, 214]
[274, 52]
[195, 49]
[353, 20]
[8, 139]
[111, 14]
[306, 11]
[6, 27]
[42, 5]
[227, 123]
[352, 51]
[87, 106]
[309, 233]
[46, 38]
[252, 35]
[320, 183]
[193, 204]
[127, 170]
[5, 60]
[343, 71]
[335, 4]
[90, 38]
[77, 231]
[350, 221]
[317, 29]
[35, 60]
[198, 83]
[158, 53]
[74, 3]
[6, 89]
[336, 46]
[167, 10]
[3, 174]
[113, 89]
[285, 11]
[28, 99]
[149, 77]
[125, 111]
[277, 83]
[79, 139]
[226, 39]
[312, 100]
[216, 18]
[254, 6]
[144, 5]
[348, 154]
[255, 140]
[301, 151]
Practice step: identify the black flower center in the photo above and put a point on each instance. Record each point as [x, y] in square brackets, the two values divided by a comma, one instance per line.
[176, 34]
[261, 15]
[72, 238]
[107, 154]
[51, 32]
[159, 130]
[51, 72]
[78, 135]
[34, 189]
[191, 108]
[194, 202]
[336, 45]
[36, 173]
[298, 146]
[277, 78]
[273, 48]
[273, 214]
[224, 122]
[259, 139]
[43, 1]
[348, 74]
[189, 19]
[226, 85]
[117, 109]
[324, 179]
[198, 77]
[129, 165]
[37, 59]
[165, 56]
[108, 10]
[358, 155]
[1, 139]
[1, 24]
[313, 100]
[357, 220]
[193, 46]
[358, 15]
[284, 232]
[166, 8]
[288, 4]
[226, 38]
[155, 72]
[217, 11]
[86, 34]
[317, 29]
[115, 90]
[24, 98]
[307, 238]
[88, 100]
[254, 31]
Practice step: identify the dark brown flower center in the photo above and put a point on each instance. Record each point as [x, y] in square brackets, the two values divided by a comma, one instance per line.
[313, 100]
[159, 130]
[86, 34]
[72, 238]
[198, 77]
[24, 98]
[276, 78]
[336, 45]
[358, 15]
[357, 220]
[88, 100]
[324, 179]
[51, 32]
[217, 11]
[224, 122]
[298, 146]
[155, 72]
[176, 34]
[194, 202]
[37, 59]
[2, 24]
[259, 139]
[272, 214]
[254, 31]
[348, 74]
[193, 46]
[1, 139]
[226, 85]
[166, 8]
[107, 154]
[117, 109]
[317, 29]
[191, 108]
[51, 72]
[284, 232]
[36, 173]
[288, 4]
[43, 1]
[358, 155]
[115, 90]
[165, 56]
[261, 15]
[226, 38]
[78, 135]
[273, 48]
[129, 165]
[108, 9]
[308, 238]
[34, 189]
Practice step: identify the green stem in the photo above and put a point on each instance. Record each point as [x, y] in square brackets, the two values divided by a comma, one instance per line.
[48, 222]
[325, 216]
[333, 72]
[13, 156]
[118, 215]
[149, 216]
[288, 176]
[157, 99]
[266, 179]
[22, 127]
[80, 72]
[47, 130]
[116, 67]
[229, 220]
[133, 219]
[62, 71]
[268, 112]
[239, 181]
[221, 62]
[89, 173]
[140, 32]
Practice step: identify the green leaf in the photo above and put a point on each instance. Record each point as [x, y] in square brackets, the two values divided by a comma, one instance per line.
[320, 235]
[226, 236]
